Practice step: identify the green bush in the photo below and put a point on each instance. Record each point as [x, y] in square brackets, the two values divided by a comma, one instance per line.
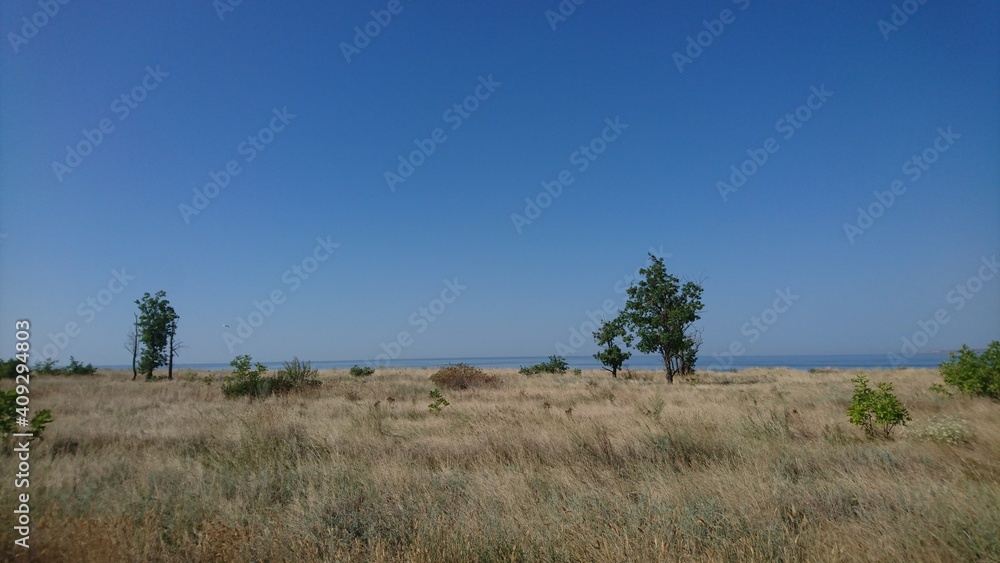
[556, 364]
[8, 368]
[49, 367]
[297, 375]
[876, 411]
[245, 381]
[358, 371]
[10, 411]
[974, 374]
[462, 376]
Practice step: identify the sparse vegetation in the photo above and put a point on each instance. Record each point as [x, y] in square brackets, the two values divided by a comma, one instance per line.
[726, 472]
[358, 371]
[555, 364]
[251, 381]
[974, 374]
[462, 376]
[949, 430]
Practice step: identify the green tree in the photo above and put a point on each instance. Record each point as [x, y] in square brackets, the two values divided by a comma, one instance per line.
[156, 327]
[659, 315]
[974, 374]
[611, 355]
[876, 411]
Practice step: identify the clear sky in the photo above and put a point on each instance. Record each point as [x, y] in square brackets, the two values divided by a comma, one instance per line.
[115, 118]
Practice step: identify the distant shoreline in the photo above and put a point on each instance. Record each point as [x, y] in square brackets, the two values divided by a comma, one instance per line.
[643, 362]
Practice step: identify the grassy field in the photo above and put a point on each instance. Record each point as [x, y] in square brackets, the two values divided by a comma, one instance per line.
[757, 465]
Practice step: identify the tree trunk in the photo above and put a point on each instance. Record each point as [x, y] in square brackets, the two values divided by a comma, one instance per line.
[135, 347]
[667, 366]
[170, 363]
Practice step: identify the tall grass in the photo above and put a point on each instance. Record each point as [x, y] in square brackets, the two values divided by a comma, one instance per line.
[757, 465]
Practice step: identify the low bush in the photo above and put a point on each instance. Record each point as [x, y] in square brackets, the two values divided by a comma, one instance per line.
[876, 411]
[298, 375]
[462, 376]
[8, 368]
[247, 381]
[358, 371]
[556, 364]
[974, 374]
[49, 367]
[13, 416]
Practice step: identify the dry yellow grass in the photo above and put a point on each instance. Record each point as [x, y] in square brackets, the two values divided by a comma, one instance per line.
[758, 465]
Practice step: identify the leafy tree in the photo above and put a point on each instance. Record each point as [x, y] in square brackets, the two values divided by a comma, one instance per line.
[658, 317]
[611, 355]
[156, 327]
[876, 411]
[974, 374]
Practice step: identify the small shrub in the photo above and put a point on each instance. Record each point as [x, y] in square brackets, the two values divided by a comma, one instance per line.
[48, 367]
[439, 401]
[948, 430]
[876, 411]
[974, 374]
[462, 376]
[10, 412]
[77, 368]
[358, 371]
[297, 375]
[556, 364]
[577, 371]
[8, 368]
[251, 382]
[245, 381]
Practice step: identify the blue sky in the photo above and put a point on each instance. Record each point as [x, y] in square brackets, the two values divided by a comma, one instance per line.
[436, 261]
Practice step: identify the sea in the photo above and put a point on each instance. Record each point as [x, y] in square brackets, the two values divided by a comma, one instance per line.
[643, 362]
